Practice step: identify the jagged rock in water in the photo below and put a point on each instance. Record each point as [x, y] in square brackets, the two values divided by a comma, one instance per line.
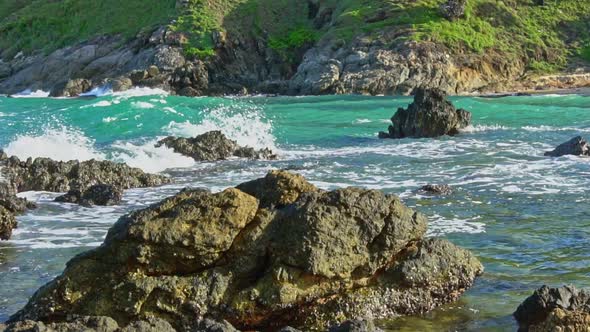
[555, 309]
[44, 174]
[71, 88]
[90, 324]
[7, 223]
[577, 146]
[430, 115]
[286, 254]
[453, 9]
[437, 189]
[99, 194]
[212, 146]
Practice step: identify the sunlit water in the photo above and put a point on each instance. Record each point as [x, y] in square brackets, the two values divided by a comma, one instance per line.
[527, 217]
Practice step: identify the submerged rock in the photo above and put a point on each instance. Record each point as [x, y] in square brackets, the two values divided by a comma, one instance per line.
[430, 115]
[577, 146]
[43, 174]
[555, 309]
[437, 189]
[213, 146]
[100, 194]
[270, 253]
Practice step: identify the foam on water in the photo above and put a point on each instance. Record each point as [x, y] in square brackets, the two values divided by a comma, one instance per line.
[61, 143]
[439, 225]
[28, 93]
[149, 158]
[142, 105]
[247, 126]
[98, 91]
[140, 92]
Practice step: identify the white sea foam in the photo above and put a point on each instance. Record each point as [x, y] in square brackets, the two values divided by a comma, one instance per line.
[246, 126]
[61, 143]
[98, 91]
[102, 103]
[482, 128]
[140, 92]
[439, 225]
[28, 93]
[142, 105]
[361, 121]
[109, 119]
[149, 158]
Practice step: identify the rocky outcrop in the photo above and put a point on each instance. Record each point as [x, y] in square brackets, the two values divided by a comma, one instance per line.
[99, 194]
[577, 146]
[437, 189]
[71, 88]
[90, 324]
[555, 309]
[43, 174]
[430, 115]
[7, 223]
[213, 146]
[261, 258]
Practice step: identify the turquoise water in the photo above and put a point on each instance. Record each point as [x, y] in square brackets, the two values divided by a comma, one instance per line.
[525, 216]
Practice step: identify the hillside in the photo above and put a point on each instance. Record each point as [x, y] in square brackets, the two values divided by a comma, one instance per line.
[491, 37]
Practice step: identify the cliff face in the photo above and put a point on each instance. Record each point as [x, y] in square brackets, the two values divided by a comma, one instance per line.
[311, 48]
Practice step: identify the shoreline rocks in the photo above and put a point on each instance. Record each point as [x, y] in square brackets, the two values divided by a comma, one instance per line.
[99, 194]
[213, 146]
[271, 253]
[437, 189]
[555, 309]
[430, 115]
[577, 146]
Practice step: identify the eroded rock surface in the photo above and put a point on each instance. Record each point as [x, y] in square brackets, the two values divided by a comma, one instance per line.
[270, 253]
[577, 146]
[430, 115]
[555, 309]
[213, 146]
[99, 194]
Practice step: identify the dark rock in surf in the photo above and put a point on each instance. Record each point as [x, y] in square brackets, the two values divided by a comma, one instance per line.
[357, 325]
[430, 115]
[437, 189]
[44, 174]
[555, 309]
[90, 324]
[7, 223]
[100, 194]
[213, 146]
[577, 146]
[307, 258]
[71, 88]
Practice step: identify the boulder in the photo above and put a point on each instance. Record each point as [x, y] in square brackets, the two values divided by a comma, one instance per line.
[71, 88]
[357, 325]
[430, 115]
[44, 174]
[212, 146]
[577, 146]
[261, 259]
[437, 189]
[555, 309]
[7, 223]
[453, 10]
[99, 194]
[121, 84]
[90, 324]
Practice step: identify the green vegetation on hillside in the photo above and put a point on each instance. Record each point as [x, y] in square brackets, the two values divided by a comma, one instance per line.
[43, 25]
[545, 35]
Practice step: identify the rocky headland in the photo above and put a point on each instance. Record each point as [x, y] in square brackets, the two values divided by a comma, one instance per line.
[270, 253]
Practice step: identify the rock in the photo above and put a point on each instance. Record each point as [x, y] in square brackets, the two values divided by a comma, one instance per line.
[153, 71]
[555, 309]
[137, 76]
[316, 259]
[43, 174]
[7, 223]
[209, 325]
[99, 194]
[453, 9]
[430, 115]
[191, 79]
[357, 325]
[577, 146]
[212, 146]
[90, 324]
[71, 88]
[121, 84]
[437, 189]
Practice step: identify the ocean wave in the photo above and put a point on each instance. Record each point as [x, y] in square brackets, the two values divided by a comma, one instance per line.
[142, 105]
[28, 93]
[247, 126]
[149, 158]
[98, 92]
[483, 128]
[140, 92]
[61, 143]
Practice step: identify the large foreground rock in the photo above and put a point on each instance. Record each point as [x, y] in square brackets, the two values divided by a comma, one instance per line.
[555, 309]
[89, 324]
[430, 115]
[43, 174]
[577, 146]
[213, 146]
[271, 253]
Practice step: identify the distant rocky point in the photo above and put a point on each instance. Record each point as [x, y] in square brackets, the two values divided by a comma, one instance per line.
[213, 146]
[430, 115]
[271, 253]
